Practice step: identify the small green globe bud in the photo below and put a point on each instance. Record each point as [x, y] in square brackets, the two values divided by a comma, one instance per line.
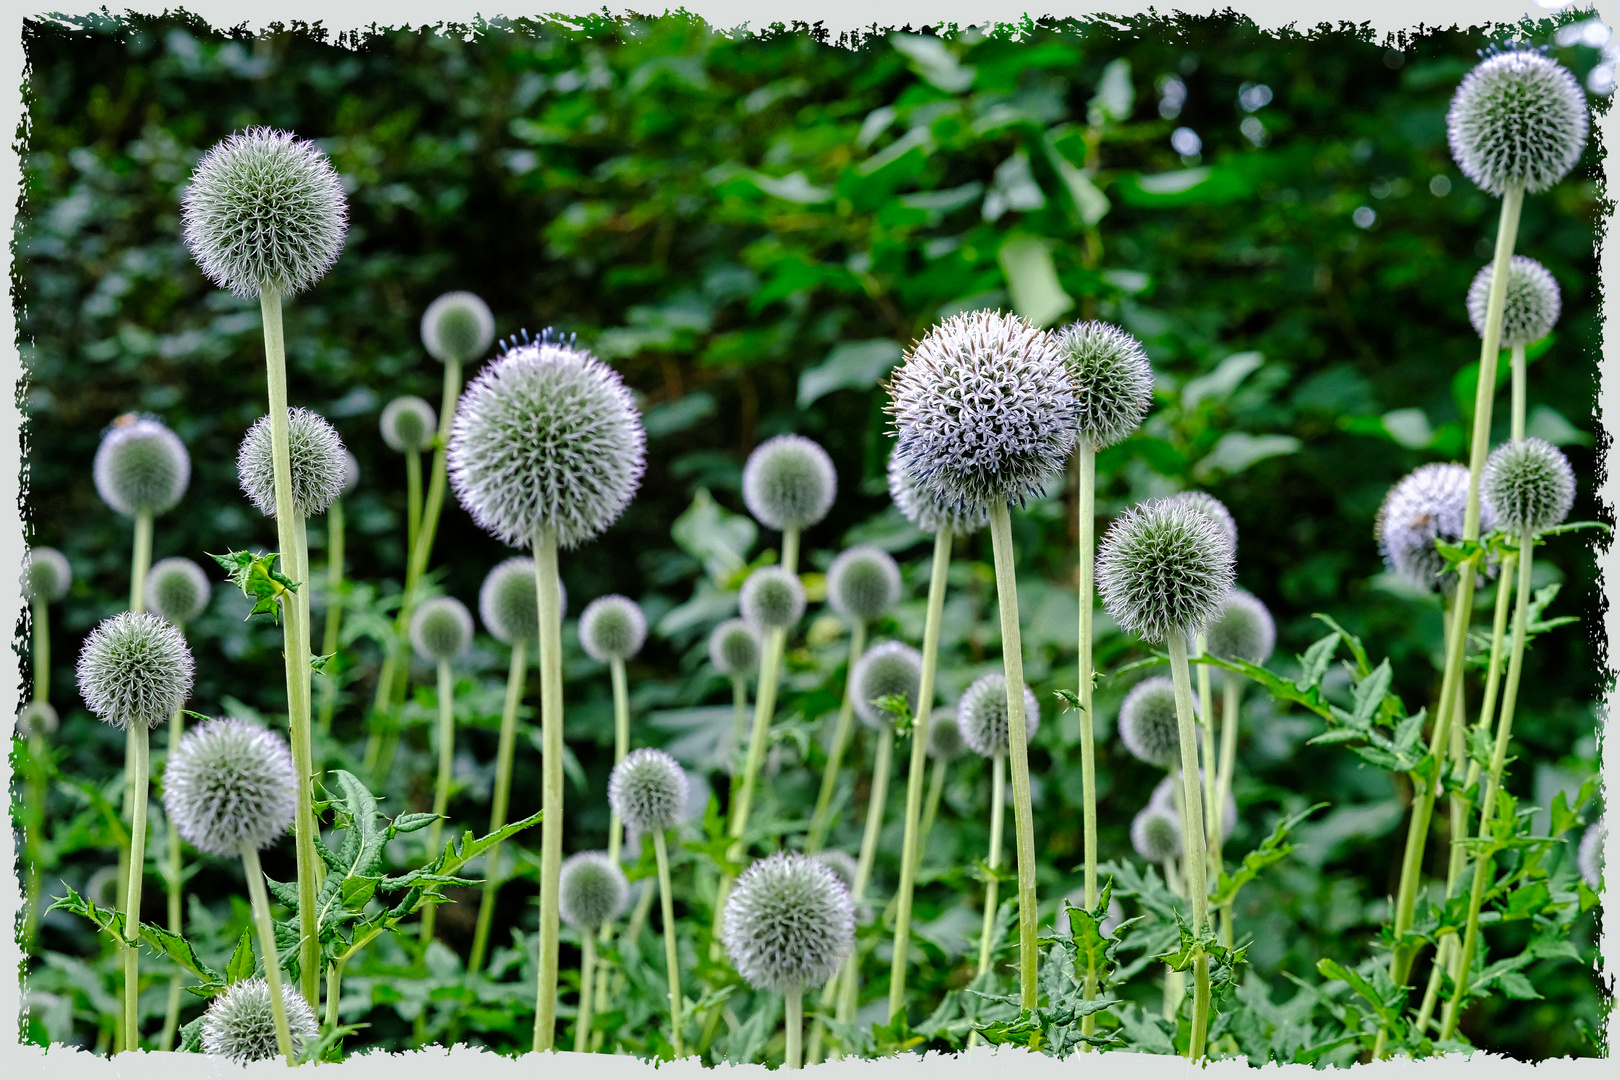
[135, 669]
[230, 786]
[1589, 857]
[734, 647]
[141, 466]
[612, 628]
[841, 863]
[1164, 568]
[1166, 791]
[945, 740]
[1532, 305]
[37, 718]
[457, 327]
[408, 425]
[982, 715]
[441, 629]
[46, 575]
[508, 604]
[1518, 117]
[890, 669]
[1156, 834]
[591, 890]
[926, 512]
[1214, 509]
[772, 598]
[789, 482]
[316, 457]
[1148, 724]
[240, 1024]
[1244, 630]
[1529, 485]
[177, 590]
[863, 583]
[1112, 380]
[789, 923]
[648, 790]
[264, 211]
[1428, 504]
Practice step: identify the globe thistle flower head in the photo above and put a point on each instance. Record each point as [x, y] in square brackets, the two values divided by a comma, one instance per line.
[177, 590]
[926, 512]
[984, 411]
[945, 741]
[37, 718]
[1113, 381]
[1214, 509]
[1164, 568]
[592, 890]
[264, 211]
[46, 575]
[1428, 504]
[612, 628]
[135, 669]
[841, 863]
[1156, 834]
[408, 424]
[441, 629]
[982, 715]
[1532, 305]
[789, 922]
[863, 583]
[789, 482]
[351, 474]
[316, 456]
[772, 598]
[546, 437]
[229, 786]
[734, 647]
[141, 466]
[648, 790]
[240, 1024]
[1166, 791]
[890, 669]
[1517, 117]
[1529, 485]
[457, 327]
[1244, 630]
[1148, 725]
[508, 603]
[1589, 857]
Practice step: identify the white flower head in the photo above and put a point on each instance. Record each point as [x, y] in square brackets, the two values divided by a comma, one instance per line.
[891, 668]
[981, 715]
[1156, 833]
[135, 669]
[240, 1024]
[789, 922]
[591, 890]
[177, 589]
[46, 575]
[141, 466]
[1428, 504]
[1529, 485]
[1517, 117]
[457, 327]
[863, 583]
[1148, 723]
[1112, 380]
[230, 785]
[612, 628]
[945, 740]
[926, 512]
[648, 790]
[734, 647]
[1532, 305]
[315, 454]
[1164, 567]
[1244, 630]
[772, 598]
[441, 629]
[789, 482]
[408, 424]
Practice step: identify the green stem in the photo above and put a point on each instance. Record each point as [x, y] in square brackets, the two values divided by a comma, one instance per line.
[764, 705]
[819, 818]
[42, 650]
[882, 765]
[1516, 366]
[171, 1015]
[334, 986]
[998, 812]
[587, 975]
[1194, 850]
[39, 773]
[441, 784]
[515, 677]
[1232, 694]
[334, 608]
[413, 500]
[936, 786]
[1211, 750]
[666, 905]
[551, 723]
[1086, 518]
[142, 561]
[138, 782]
[794, 1000]
[435, 492]
[621, 746]
[267, 948]
[739, 717]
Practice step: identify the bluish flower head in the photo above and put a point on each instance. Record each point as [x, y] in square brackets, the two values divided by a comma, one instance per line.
[1164, 567]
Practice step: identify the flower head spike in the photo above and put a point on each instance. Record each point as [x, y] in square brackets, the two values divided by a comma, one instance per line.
[546, 437]
[734, 647]
[1532, 305]
[984, 411]
[945, 740]
[591, 891]
[789, 922]
[135, 669]
[37, 718]
[1147, 722]
[789, 482]
[863, 583]
[648, 790]
[1244, 630]
[1589, 857]
[1425, 506]
[46, 575]
[1517, 117]
[1156, 834]
[1168, 790]
[612, 628]
[772, 598]
[141, 466]
[1214, 509]
[508, 604]
[177, 590]
[457, 327]
[408, 424]
[441, 629]
[316, 455]
[264, 210]
[1164, 568]
[1112, 380]
[240, 1024]
[926, 512]
[841, 863]
[1529, 485]
[890, 669]
[982, 715]
[230, 785]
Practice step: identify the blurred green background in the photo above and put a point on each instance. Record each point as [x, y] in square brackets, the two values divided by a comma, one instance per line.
[751, 229]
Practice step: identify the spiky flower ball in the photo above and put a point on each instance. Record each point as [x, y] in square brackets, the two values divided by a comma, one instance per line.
[1212, 508]
[46, 575]
[1112, 380]
[135, 669]
[408, 425]
[789, 482]
[1156, 833]
[982, 715]
[441, 629]
[648, 790]
[840, 863]
[1168, 790]
[945, 740]
[230, 785]
[772, 598]
[508, 603]
[1589, 857]
[863, 583]
[984, 411]
[141, 466]
[892, 668]
[1518, 117]
[734, 647]
[177, 590]
[546, 437]
[240, 1024]
[1147, 722]
[789, 923]
[1427, 505]
[457, 326]
[37, 718]
[926, 512]
[1528, 485]
[1532, 304]
[316, 456]
[264, 210]
[592, 890]
[1164, 568]
[612, 628]
[1244, 630]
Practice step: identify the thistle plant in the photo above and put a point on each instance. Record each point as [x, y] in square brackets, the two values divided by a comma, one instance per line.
[46, 576]
[331, 631]
[734, 652]
[240, 1024]
[1156, 838]
[1148, 725]
[984, 411]
[141, 470]
[230, 789]
[409, 426]
[612, 629]
[789, 484]
[547, 449]
[593, 892]
[441, 631]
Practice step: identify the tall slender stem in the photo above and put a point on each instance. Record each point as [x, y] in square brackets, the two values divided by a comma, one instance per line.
[793, 998]
[819, 818]
[38, 772]
[334, 608]
[764, 705]
[551, 721]
[441, 783]
[587, 988]
[413, 500]
[138, 781]
[1520, 393]
[1086, 510]
[621, 745]
[666, 906]
[267, 948]
[1211, 751]
[42, 649]
[1232, 694]
[515, 676]
[171, 1015]
[1194, 850]
[936, 785]
[423, 548]
[998, 813]
[882, 765]
[142, 561]
[334, 987]
[739, 716]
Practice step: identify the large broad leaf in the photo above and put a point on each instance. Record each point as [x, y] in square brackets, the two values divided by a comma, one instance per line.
[852, 365]
[1032, 279]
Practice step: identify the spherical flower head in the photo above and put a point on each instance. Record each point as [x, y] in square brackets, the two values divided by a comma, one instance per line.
[546, 437]
[734, 647]
[351, 474]
[1589, 857]
[1112, 380]
[789, 923]
[37, 718]
[841, 863]
[984, 411]
[46, 575]
[592, 890]
[891, 668]
[789, 482]
[141, 466]
[1156, 834]
[135, 669]
[408, 425]
[863, 583]
[648, 790]
[612, 628]
[457, 327]
[1148, 725]
[1214, 509]
[772, 598]
[508, 603]
[441, 629]
[1529, 485]
[1427, 505]
[1532, 305]
[240, 1024]
[1168, 790]
[264, 211]
[926, 512]
[315, 454]
[230, 786]
[1518, 117]
[945, 741]
[177, 590]
[982, 715]
[1244, 630]
[1164, 568]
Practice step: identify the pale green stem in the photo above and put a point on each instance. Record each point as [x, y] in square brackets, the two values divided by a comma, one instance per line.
[38, 773]
[551, 723]
[334, 608]
[819, 818]
[1086, 513]
[1211, 750]
[132, 897]
[1175, 982]
[739, 715]
[882, 765]
[503, 791]
[334, 986]
[998, 811]
[413, 499]
[1232, 694]
[638, 917]
[587, 975]
[666, 905]
[171, 1015]
[1194, 849]
[621, 746]
[794, 999]
[267, 947]
[1516, 366]
[142, 562]
[441, 784]
[423, 548]
[936, 787]
[42, 650]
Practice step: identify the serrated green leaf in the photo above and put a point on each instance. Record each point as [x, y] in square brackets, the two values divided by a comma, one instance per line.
[1357, 649]
[409, 823]
[241, 964]
[258, 579]
[1314, 664]
[1369, 694]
